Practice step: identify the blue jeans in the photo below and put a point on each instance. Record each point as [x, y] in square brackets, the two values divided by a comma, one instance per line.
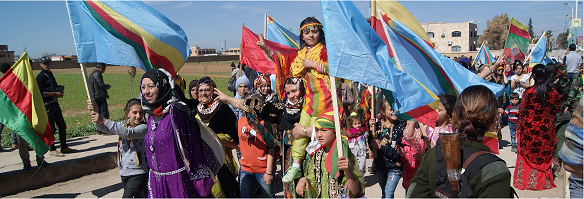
[388, 180]
[575, 186]
[513, 131]
[248, 184]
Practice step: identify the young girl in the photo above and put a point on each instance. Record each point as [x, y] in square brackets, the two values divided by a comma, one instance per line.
[322, 177]
[445, 108]
[418, 140]
[131, 159]
[388, 143]
[356, 135]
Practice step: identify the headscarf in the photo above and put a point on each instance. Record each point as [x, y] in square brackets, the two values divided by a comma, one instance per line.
[192, 84]
[206, 111]
[168, 93]
[326, 120]
[264, 79]
[242, 80]
[291, 107]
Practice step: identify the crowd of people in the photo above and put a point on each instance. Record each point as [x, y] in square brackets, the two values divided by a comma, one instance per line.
[179, 147]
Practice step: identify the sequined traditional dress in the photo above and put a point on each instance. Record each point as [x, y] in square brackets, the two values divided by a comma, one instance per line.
[537, 141]
[176, 174]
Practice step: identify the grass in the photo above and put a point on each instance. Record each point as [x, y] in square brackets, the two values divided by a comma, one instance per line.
[74, 104]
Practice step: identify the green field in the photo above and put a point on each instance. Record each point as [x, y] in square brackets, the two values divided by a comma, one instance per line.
[74, 102]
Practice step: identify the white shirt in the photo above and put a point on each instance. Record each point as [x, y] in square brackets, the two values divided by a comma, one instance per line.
[519, 89]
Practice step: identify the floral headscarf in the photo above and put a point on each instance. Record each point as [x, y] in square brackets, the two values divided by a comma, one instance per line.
[167, 92]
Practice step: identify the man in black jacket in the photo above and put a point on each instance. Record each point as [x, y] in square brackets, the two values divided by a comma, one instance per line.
[50, 91]
[98, 90]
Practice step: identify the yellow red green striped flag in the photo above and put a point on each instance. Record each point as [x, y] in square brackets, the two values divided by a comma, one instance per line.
[23, 109]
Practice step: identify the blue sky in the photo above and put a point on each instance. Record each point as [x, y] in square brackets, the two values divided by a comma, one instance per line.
[43, 26]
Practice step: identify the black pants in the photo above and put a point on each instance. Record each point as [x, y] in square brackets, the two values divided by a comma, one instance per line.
[135, 186]
[102, 110]
[56, 117]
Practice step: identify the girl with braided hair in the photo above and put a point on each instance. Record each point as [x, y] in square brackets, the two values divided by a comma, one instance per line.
[475, 112]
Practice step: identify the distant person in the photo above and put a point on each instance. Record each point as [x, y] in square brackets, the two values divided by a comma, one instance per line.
[98, 89]
[51, 91]
[193, 89]
[573, 62]
[519, 81]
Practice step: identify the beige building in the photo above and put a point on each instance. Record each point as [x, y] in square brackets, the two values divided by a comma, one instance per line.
[6, 55]
[232, 51]
[197, 51]
[453, 38]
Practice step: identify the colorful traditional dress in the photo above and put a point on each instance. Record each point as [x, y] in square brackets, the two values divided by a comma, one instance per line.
[414, 145]
[358, 144]
[316, 82]
[177, 165]
[222, 121]
[284, 114]
[324, 177]
[537, 141]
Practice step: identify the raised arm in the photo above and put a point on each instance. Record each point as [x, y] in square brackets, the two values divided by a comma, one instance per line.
[484, 73]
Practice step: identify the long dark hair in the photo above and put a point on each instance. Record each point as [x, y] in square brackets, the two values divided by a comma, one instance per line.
[542, 76]
[321, 31]
[475, 112]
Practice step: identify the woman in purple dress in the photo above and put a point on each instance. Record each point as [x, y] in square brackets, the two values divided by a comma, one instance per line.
[174, 148]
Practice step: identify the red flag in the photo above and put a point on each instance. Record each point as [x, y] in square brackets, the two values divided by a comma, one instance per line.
[253, 56]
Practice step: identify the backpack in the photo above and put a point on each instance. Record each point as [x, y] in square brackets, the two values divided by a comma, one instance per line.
[471, 166]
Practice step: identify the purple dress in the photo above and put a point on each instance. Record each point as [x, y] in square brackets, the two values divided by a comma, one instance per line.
[168, 176]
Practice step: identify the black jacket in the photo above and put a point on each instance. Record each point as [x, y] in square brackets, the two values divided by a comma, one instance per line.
[47, 83]
[97, 88]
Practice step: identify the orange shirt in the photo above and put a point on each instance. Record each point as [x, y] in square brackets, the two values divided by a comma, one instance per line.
[254, 151]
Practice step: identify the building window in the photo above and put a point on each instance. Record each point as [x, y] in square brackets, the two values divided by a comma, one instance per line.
[442, 35]
[456, 48]
[456, 34]
[431, 34]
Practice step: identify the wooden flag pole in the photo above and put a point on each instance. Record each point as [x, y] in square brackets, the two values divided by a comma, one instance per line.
[335, 99]
[265, 26]
[373, 130]
[84, 73]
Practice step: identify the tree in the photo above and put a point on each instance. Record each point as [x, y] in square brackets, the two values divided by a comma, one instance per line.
[530, 29]
[495, 35]
[563, 39]
[549, 35]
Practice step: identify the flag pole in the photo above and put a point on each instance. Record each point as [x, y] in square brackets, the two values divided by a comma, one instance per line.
[84, 73]
[265, 26]
[477, 56]
[373, 130]
[545, 52]
[337, 117]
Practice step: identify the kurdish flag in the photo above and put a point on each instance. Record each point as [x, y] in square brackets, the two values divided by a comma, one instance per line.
[517, 41]
[484, 56]
[23, 109]
[278, 33]
[128, 33]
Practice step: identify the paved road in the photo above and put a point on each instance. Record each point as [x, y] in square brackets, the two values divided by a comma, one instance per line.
[108, 185]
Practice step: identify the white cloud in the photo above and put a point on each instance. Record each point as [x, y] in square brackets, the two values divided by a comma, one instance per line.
[559, 17]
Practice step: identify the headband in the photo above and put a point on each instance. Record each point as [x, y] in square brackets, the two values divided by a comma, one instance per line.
[307, 26]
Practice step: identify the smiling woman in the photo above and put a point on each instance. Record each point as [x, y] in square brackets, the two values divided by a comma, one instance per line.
[181, 171]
